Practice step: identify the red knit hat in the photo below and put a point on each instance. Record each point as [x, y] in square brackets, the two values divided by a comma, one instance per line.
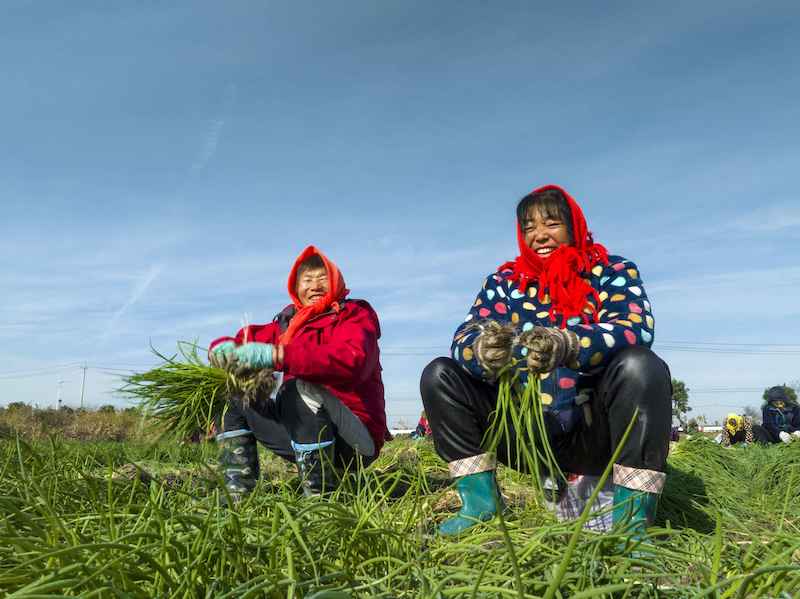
[561, 274]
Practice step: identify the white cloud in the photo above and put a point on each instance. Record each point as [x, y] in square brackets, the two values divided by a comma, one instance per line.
[209, 146]
[138, 291]
[768, 218]
[728, 306]
[213, 134]
[753, 279]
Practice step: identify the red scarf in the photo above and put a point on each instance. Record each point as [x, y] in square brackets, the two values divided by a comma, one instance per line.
[331, 301]
[559, 275]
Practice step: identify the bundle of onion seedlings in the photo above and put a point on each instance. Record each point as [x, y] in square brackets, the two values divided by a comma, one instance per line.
[185, 395]
[518, 426]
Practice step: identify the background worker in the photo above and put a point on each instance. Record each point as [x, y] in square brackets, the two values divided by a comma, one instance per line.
[423, 427]
[781, 415]
[742, 429]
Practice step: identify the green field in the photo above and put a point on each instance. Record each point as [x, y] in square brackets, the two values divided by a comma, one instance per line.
[141, 520]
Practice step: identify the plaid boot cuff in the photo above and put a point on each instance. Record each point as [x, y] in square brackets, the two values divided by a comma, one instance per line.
[639, 479]
[472, 465]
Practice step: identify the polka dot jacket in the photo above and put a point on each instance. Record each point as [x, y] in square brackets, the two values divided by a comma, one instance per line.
[624, 318]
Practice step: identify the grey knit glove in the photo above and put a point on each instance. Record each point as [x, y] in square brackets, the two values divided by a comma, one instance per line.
[493, 347]
[549, 347]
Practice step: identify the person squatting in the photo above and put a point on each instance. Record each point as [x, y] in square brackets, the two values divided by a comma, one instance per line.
[329, 412]
[566, 312]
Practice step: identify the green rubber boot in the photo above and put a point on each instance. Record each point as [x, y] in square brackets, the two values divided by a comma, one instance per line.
[634, 510]
[479, 503]
[239, 462]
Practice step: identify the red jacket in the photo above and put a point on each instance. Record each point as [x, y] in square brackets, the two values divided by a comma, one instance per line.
[338, 350]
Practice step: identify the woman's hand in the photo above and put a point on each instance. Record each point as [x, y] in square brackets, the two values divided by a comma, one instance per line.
[223, 355]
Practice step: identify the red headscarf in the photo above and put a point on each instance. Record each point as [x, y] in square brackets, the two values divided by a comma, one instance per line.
[330, 301]
[560, 273]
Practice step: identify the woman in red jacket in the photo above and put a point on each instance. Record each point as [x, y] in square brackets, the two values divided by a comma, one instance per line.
[330, 407]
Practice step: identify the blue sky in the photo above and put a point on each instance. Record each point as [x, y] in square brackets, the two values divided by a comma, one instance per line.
[161, 166]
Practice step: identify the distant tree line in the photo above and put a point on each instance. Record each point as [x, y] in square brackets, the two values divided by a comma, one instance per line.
[106, 422]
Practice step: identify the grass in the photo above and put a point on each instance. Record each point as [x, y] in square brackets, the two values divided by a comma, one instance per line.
[133, 520]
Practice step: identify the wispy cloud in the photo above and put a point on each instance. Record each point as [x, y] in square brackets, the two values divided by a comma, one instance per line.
[702, 303]
[138, 291]
[768, 218]
[209, 146]
[756, 279]
[214, 133]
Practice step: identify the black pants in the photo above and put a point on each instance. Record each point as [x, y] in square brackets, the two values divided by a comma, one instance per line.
[276, 423]
[459, 407]
[760, 435]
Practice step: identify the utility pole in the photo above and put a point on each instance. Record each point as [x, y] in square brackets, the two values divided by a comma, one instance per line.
[83, 383]
[58, 395]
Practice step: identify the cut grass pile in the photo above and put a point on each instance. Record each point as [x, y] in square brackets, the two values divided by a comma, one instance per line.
[81, 520]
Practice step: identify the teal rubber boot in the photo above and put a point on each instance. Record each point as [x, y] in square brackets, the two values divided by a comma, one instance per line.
[315, 467]
[479, 503]
[634, 510]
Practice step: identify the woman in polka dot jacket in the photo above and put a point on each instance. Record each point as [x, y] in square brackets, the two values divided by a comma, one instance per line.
[580, 320]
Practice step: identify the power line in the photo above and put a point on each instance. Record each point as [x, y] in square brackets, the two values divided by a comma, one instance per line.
[734, 343]
[715, 405]
[40, 369]
[727, 390]
[672, 341]
[721, 350]
[15, 374]
[705, 347]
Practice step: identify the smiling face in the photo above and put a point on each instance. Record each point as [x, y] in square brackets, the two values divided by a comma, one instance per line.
[544, 231]
[312, 285]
